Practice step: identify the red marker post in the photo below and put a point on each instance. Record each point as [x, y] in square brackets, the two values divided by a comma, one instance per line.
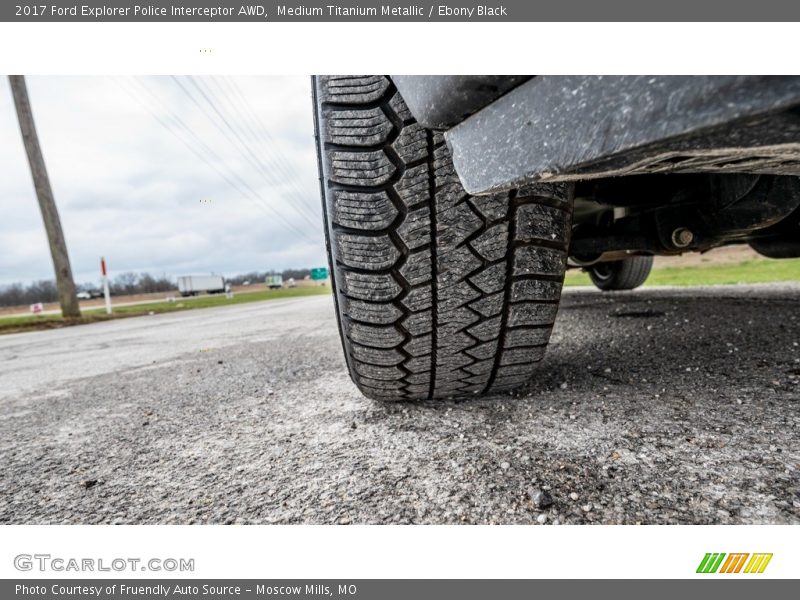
[106, 291]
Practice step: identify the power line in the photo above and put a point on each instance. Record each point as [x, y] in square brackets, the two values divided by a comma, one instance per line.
[178, 120]
[248, 192]
[248, 153]
[263, 129]
[210, 151]
[212, 100]
[263, 138]
[278, 175]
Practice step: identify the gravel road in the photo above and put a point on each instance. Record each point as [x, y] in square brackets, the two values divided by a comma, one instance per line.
[658, 406]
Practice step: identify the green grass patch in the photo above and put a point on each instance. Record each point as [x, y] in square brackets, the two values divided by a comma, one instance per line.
[221, 300]
[750, 271]
[32, 323]
[17, 324]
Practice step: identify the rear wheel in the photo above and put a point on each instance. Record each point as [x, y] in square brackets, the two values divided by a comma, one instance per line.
[625, 274]
[438, 293]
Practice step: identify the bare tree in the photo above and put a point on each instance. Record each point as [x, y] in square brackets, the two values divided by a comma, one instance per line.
[55, 236]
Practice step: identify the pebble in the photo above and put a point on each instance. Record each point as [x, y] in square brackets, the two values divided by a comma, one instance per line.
[504, 465]
[541, 519]
[540, 498]
[573, 496]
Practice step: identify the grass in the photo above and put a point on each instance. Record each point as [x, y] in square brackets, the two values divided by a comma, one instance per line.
[221, 300]
[17, 324]
[750, 271]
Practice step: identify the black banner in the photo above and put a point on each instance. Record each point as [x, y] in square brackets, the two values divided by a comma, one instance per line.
[732, 588]
[399, 11]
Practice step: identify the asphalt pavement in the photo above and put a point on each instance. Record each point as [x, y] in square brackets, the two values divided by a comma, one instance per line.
[654, 406]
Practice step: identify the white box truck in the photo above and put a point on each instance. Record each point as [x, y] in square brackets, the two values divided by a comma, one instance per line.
[274, 282]
[192, 285]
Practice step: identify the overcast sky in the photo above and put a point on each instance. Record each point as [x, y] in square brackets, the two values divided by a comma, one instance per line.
[130, 190]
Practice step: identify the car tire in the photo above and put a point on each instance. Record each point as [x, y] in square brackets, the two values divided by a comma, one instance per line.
[438, 294]
[627, 274]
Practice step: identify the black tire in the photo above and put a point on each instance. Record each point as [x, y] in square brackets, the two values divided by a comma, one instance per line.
[618, 275]
[777, 247]
[438, 294]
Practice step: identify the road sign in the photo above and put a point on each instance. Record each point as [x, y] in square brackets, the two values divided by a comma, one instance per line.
[319, 273]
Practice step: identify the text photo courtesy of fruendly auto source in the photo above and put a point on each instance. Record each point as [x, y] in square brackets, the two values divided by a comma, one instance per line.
[399, 299]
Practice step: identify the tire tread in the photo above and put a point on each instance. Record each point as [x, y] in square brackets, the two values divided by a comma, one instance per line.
[438, 294]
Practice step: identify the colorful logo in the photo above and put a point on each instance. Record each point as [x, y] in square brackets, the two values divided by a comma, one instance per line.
[734, 562]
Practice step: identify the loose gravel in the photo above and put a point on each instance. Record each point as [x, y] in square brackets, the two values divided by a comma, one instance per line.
[657, 406]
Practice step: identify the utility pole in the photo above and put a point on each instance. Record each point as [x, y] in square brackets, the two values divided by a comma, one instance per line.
[55, 236]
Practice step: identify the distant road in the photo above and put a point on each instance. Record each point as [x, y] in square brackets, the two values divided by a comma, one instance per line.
[657, 406]
[52, 308]
[49, 358]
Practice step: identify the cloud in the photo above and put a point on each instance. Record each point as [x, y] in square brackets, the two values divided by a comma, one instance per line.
[128, 188]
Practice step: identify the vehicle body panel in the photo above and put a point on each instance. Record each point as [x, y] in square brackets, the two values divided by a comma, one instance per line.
[560, 128]
[442, 101]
